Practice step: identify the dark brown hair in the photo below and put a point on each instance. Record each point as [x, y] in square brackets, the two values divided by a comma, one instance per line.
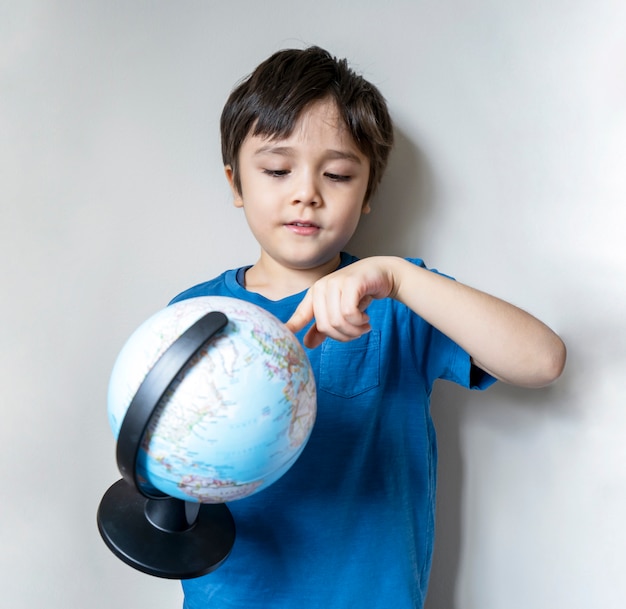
[271, 99]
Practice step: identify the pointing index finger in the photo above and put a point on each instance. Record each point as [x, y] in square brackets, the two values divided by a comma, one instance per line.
[302, 315]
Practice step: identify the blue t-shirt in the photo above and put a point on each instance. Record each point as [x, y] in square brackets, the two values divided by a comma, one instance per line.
[351, 524]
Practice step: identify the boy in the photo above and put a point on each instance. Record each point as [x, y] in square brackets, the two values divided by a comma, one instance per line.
[305, 142]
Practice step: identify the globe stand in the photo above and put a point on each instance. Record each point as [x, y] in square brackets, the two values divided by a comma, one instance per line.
[152, 532]
[154, 535]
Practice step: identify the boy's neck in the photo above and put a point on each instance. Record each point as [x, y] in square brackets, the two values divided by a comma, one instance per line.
[275, 281]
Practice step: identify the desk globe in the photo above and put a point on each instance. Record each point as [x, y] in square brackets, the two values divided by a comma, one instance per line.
[210, 400]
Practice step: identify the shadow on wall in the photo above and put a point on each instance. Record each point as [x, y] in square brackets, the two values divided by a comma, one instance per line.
[503, 407]
[399, 206]
[449, 401]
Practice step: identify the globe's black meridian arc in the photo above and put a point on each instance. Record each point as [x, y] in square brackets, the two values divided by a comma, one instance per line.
[152, 389]
[150, 532]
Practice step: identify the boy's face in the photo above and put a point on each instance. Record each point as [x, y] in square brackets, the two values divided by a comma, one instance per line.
[303, 195]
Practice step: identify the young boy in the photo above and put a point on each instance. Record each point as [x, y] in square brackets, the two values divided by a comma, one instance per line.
[305, 142]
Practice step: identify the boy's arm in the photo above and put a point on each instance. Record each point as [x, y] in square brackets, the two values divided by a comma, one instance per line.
[503, 340]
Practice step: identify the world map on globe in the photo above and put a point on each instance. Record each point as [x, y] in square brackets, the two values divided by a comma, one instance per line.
[237, 415]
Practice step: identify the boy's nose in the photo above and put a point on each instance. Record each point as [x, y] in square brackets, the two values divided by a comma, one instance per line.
[306, 191]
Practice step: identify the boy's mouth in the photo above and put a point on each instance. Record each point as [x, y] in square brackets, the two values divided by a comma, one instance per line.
[302, 228]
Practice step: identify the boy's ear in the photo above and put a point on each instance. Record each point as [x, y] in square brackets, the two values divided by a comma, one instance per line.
[366, 209]
[230, 176]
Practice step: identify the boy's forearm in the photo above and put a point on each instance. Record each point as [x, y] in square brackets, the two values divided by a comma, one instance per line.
[503, 340]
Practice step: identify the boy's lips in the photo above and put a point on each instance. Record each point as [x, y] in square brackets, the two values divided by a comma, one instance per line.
[300, 227]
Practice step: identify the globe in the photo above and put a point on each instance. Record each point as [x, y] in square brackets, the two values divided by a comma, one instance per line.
[237, 415]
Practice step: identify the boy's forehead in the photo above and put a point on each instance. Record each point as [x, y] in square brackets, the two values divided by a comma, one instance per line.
[320, 122]
[324, 109]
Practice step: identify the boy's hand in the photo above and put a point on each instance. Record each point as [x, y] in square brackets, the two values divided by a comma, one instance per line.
[503, 340]
[338, 302]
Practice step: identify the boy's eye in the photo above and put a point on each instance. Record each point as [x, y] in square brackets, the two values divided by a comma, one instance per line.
[276, 173]
[335, 177]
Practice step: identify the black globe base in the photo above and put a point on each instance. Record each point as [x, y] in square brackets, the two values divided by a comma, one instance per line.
[166, 537]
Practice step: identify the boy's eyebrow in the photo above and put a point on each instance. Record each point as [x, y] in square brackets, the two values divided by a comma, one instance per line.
[288, 151]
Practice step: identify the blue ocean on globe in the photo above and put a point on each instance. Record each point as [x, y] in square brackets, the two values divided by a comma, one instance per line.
[234, 419]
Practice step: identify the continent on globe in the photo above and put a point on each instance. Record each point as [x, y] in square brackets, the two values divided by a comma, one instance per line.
[234, 419]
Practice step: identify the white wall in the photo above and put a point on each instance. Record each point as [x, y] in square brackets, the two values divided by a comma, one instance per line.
[509, 174]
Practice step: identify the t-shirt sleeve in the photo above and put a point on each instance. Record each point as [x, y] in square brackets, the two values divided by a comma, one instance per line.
[445, 359]
[465, 373]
